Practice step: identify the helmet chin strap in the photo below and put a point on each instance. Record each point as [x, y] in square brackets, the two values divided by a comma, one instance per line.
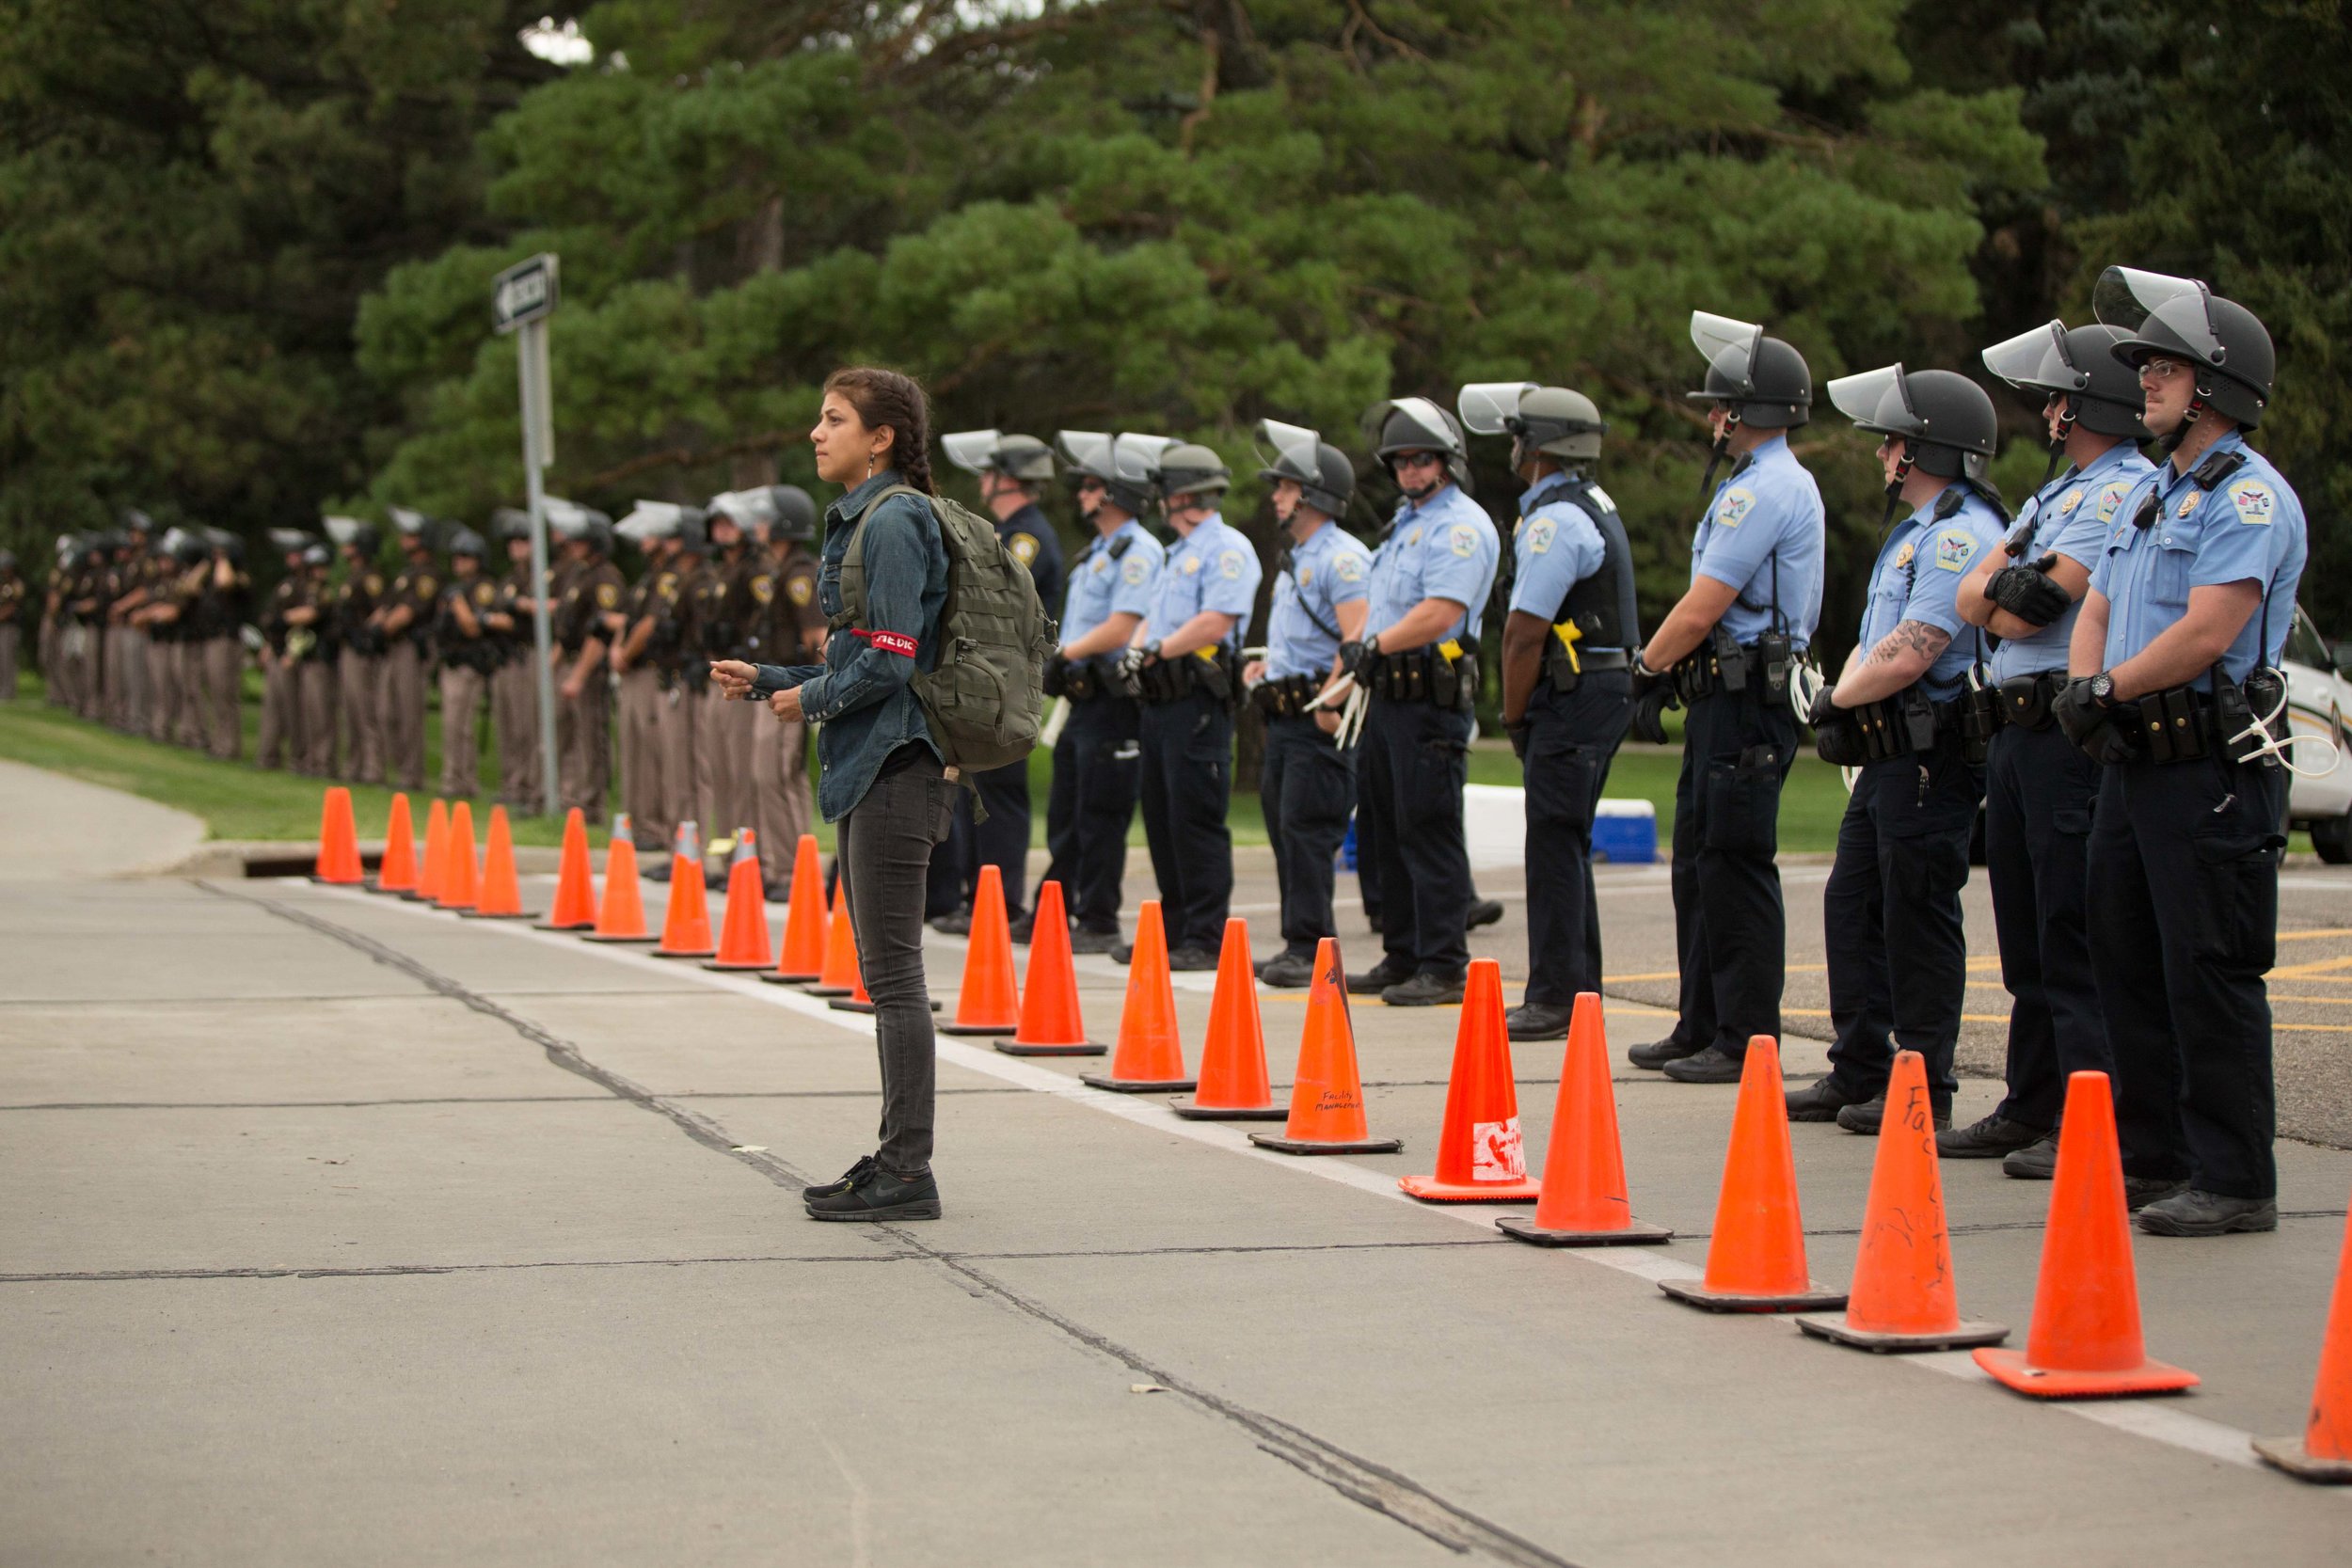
[1721, 449]
[1895, 488]
[2058, 442]
[2171, 442]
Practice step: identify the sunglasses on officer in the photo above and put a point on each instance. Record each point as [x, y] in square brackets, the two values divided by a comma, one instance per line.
[1404, 460]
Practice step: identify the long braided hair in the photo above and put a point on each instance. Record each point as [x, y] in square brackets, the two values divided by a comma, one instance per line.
[889, 399]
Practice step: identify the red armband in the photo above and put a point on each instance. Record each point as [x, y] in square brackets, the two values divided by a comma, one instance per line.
[888, 642]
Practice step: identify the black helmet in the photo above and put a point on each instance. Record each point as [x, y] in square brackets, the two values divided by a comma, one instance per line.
[510, 522]
[651, 520]
[354, 534]
[1417, 425]
[569, 520]
[2078, 364]
[781, 511]
[1189, 468]
[1765, 380]
[1127, 464]
[465, 541]
[1323, 474]
[286, 541]
[222, 542]
[7, 561]
[317, 555]
[982, 452]
[796, 512]
[136, 521]
[191, 548]
[416, 530]
[1550, 420]
[2228, 347]
[1944, 419]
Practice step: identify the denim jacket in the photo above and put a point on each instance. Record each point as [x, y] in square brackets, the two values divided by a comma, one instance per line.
[860, 693]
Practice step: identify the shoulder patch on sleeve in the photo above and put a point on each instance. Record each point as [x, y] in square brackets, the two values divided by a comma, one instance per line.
[1954, 548]
[425, 586]
[1230, 563]
[2111, 498]
[1464, 539]
[763, 587]
[1023, 547]
[1734, 508]
[2254, 501]
[1539, 535]
[1136, 570]
[1348, 568]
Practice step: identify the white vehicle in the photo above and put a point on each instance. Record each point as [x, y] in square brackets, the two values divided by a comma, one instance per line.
[2319, 703]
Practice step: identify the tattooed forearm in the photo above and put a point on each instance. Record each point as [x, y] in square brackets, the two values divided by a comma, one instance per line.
[1910, 640]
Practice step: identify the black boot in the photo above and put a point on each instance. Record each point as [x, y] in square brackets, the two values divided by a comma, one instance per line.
[1820, 1101]
[1659, 1053]
[1380, 977]
[1710, 1066]
[1538, 1020]
[1990, 1138]
[1428, 988]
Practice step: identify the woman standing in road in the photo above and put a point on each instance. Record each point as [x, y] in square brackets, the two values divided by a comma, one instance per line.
[879, 777]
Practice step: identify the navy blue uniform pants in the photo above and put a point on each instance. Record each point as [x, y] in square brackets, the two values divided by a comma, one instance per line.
[1307, 788]
[1001, 841]
[1097, 764]
[2037, 796]
[1414, 761]
[1187, 784]
[1572, 737]
[1898, 953]
[1730, 929]
[2185, 876]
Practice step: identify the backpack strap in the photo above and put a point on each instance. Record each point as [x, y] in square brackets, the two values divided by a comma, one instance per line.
[853, 563]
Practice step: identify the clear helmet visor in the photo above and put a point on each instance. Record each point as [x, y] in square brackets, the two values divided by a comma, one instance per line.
[1430, 418]
[566, 519]
[2133, 300]
[344, 530]
[1287, 450]
[650, 520]
[1488, 406]
[2038, 360]
[1877, 400]
[1135, 459]
[1728, 347]
[1088, 451]
[746, 509]
[408, 519]
[970, 450]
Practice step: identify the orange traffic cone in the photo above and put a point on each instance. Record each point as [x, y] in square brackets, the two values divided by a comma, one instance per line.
[860, 1000]
[622, 915]
[2085, 1335]
[686, 923]
[802, 957]
[1151, 1056]
[1233, 1056]
[1584, 1201]
[435, 867]
[840, 976]
[2325, 1452]
[575, 906]
[461, 877]
[1050, 1022]
[1480, 1156]
[1756, 1260]
[1902, 1297]
[989, 1001]
[1326, 1114]
[501, 893]
[397, 872]
[744, 930]
[339, 841]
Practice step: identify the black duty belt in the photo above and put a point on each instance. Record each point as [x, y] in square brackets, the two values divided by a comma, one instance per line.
[1285, 696]
[1908, 722]
[1172, 680]
[1445, 680]
[2026, 699]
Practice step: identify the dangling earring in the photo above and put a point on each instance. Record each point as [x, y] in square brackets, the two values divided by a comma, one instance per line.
[870, 465]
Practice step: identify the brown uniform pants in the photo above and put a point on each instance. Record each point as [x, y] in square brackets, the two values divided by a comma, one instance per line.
[515, 714]
[314, 687]
[462, 690]
[675, 721]
[9, 635]
[220, 717]
[645, 780]
[584, 737]
[279, 743]
[137, 665]
[722, 761]
[163, 689]
[404, 715]
[360, 699]
[187, 729]
[779, 795]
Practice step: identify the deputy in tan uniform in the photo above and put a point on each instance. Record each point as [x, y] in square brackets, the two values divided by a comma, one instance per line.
[311, 651]
[721, 616]
[514, 685]
[15, 595]
[785, 628]
[468, 654]
[279, 744]
[139, 579]
[223, 599]
[157, 575]
[360, 664]
[587, 618]
[682, 674]
[120, 584]
[648, 789]
[405, 620]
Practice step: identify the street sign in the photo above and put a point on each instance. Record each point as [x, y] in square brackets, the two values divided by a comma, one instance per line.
[524, 293]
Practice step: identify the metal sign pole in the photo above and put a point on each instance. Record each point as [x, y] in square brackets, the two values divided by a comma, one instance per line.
[531, 355]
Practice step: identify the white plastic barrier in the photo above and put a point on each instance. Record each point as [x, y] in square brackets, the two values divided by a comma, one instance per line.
[1494, 820]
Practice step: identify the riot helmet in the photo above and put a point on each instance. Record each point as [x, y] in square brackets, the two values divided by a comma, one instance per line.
[219, 540]
[1417, 425]
[7, 561]
[574, 523]
[352, 533]
[1766, 382]
[1325, 476]
[510, 522]
[1943, 421]
[2223, 343]
[317, 555]
[1125, 466]
[1552, 421]
[1190, 472]
[778, 510]
[649, 522]
[1023, 458]
[192, 548]
[465, 541]
[2078, 364]
[136, 521]
[417, 532]
[287, 541]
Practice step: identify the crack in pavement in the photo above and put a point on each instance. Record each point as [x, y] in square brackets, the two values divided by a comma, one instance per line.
[1366, 1482]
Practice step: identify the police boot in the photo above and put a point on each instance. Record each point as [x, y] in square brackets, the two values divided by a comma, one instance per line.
[1022, 929]
[2036, 1162]
[2191, 1213]
[1192, 959]
[1820, 1101]
[1380, 977]
[1428, 988]
[1659, 1053]
[1538, 1020]
[1087, 940]
[1866, 1117]
[1710, 1066]
[956, 925]
[1988, 1138]
[1287, 971]
[1484, 911]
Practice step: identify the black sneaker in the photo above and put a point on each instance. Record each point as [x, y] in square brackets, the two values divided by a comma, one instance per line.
[1428, 988]
[1022, 929]
[957, 924]
[1380, 977]
[1486, 911]
[1538, 1020]
[1087, 940]
[2036, 1162]
[1191, 961]
[849, 1178]
[1123, 953]
[1987, 1139]
[2191, 1213]
[1709, 1065]
[1820, 1100]
[1287, 971]
[1866, 1117]
[654, 867]
[1659, 1053]
[879, 1196]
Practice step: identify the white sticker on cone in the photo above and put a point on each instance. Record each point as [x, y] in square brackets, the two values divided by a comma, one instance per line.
[1496, 1154]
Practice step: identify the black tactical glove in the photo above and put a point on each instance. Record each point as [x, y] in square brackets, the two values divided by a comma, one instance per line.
[1356, 660]
[1648, 720]
[2106, 734]
[1127, 674]
[1518, 738]
[1054, 678]
[2027, 593]
[1644, 680]
[1836, 738]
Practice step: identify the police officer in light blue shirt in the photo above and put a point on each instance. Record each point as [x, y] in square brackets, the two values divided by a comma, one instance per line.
[1890, 914]
[2039, 787]
[1098, 756]
[1185, 663]
[1568, 644]
[1307, 783]
[2174, 677]
[1725, 652]
[1430, 580]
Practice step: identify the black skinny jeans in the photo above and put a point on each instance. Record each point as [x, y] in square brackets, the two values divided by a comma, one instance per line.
[885, 857]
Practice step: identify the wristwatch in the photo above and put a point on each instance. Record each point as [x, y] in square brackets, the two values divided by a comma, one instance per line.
[1151, 651]
[2103, 689]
